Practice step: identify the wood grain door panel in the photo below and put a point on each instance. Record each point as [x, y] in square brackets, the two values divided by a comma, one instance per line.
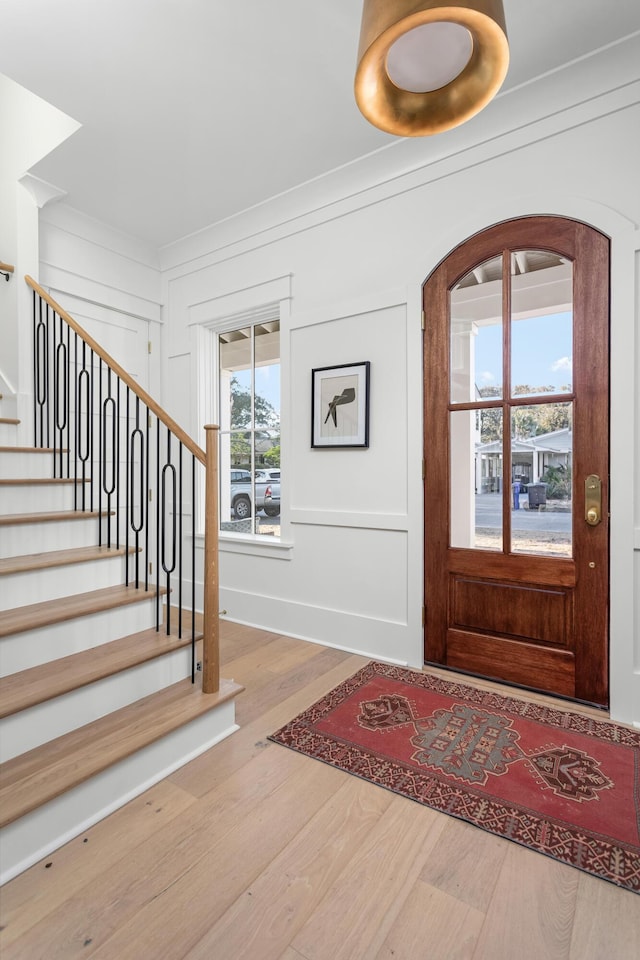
[511, 610]
[533, 619]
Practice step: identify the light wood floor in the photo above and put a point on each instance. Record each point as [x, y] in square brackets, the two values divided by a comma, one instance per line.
[253, 851]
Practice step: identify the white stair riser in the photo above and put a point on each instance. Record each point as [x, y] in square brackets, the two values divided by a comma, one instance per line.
[16, 540]
[8, 434]
[34, 586]
[28, 729]
[26, 497]
[36, 835]
[49, 497]
[9, 405]
[17, 464]
[20, 651]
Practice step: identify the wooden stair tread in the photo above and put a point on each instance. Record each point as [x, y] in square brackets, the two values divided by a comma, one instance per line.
[58, 558]
[52, 516]
[36, 777]
[47, 612]
[32, 450]
[40, 481]
[25, 689]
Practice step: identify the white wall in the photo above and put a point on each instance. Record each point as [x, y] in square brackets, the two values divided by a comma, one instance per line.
[350, 570]
[110, 283]
[346, 258]
[31, 128]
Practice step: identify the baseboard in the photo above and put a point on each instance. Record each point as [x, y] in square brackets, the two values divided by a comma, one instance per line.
[391, 640]
[322, 643]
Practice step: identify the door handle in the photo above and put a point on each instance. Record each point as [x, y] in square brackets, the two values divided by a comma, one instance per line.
[593, 500]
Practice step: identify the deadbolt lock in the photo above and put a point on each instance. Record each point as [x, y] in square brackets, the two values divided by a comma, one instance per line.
[593, 500]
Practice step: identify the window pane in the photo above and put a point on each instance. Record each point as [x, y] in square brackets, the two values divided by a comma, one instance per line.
[476, 479]
[541, 476]
[235, 379]
[267, 378]
[249, 385]
[542, 323]
[476, 334]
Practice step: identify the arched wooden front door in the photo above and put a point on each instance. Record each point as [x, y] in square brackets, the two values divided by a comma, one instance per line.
[516, 394]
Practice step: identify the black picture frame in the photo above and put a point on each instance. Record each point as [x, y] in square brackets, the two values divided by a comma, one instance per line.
[340, 406]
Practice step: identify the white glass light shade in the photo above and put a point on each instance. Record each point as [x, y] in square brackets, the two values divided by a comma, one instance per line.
[429, 56]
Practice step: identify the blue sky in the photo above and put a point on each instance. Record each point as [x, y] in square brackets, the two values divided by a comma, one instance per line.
[541, 352]
[268, 384]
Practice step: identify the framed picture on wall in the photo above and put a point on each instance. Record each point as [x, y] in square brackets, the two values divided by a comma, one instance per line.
[340, 405]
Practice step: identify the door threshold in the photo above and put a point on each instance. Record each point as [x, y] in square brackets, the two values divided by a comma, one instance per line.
[514, 689]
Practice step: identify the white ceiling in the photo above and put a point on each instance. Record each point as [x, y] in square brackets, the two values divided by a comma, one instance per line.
[194, 110]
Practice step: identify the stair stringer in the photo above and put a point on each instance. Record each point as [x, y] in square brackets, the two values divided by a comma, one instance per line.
[93, 790]
[39, 833]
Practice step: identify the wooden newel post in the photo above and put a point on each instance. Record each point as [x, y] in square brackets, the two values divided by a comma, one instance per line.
[211, 638]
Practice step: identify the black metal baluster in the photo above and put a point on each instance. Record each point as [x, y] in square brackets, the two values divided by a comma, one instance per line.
[68, 407]
[46, 373]
[170, 470]
[147, 496]
[108, 407]
[53, 403]
[136, 527]
[60, 396]
[41, 385]
[117, 463]
[178, 504]
[127, 506]
[92, 478]
[76, 438]
[100, 467]
[157, 524]
[193, 568]
[83, 413]
[35, 371]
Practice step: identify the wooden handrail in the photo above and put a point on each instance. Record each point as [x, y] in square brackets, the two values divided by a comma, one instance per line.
[6, 267]
[154, 407]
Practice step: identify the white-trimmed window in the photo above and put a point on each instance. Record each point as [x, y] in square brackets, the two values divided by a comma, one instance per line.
[249, 416]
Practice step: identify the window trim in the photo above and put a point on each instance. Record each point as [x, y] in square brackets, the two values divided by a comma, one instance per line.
[269, 300]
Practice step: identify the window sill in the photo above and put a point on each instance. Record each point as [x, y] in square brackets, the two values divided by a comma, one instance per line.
[252, 545]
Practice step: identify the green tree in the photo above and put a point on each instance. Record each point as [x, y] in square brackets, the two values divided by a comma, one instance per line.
[265, 413]
[553, 416]
[558, 481]
[272, 457]
[528, 421]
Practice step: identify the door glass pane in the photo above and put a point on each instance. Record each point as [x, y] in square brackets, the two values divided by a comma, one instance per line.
[541, 479]
[476, 479]
[541, 323]
[476, 333]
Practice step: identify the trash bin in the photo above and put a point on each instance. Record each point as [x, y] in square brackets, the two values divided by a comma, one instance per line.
[516, 494]
[537, 495]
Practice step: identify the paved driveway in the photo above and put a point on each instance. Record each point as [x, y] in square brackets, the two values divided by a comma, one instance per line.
[489, 514]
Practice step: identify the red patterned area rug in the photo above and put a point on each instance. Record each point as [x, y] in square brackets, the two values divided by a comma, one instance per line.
[563, 784]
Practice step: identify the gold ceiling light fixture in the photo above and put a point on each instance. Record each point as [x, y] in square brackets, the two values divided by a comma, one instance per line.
[426, 67]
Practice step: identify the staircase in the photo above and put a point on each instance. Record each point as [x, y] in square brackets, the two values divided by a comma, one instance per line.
[99, 695]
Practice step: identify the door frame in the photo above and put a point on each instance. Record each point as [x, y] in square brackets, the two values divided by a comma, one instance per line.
[560, 234]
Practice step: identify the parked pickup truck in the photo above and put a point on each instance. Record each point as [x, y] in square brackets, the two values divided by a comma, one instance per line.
[240, 498]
